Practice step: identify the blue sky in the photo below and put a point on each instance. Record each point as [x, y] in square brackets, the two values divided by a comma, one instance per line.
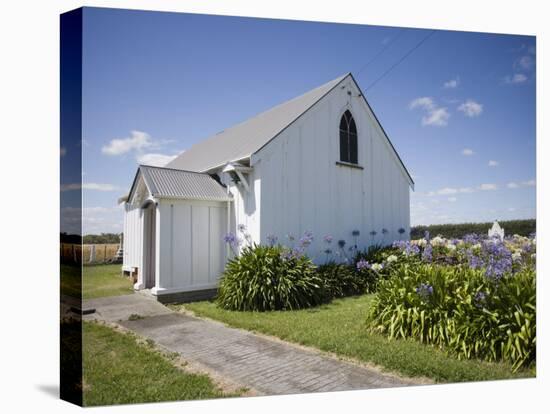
[460, 110]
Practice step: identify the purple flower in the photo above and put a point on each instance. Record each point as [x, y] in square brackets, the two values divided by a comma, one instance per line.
[399, 244]
[471, 238]
[479, 299]
[362, 264]
[424, 290]
[327, 239]
[306, 239]
[271, 239]
[229, 238]
[411, 249]
[427, 253]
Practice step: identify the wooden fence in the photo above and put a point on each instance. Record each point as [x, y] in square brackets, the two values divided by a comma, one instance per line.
[88, 253]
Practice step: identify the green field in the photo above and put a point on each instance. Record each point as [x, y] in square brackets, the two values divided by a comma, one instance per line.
[97, 281]
[339, 327]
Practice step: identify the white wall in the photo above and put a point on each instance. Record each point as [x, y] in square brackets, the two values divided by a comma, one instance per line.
[304, 189]
[133, 236]
[246, 205]
[190, 248]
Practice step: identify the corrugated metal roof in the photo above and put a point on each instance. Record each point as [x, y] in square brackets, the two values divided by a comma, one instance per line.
[171, 183]
[242, 140]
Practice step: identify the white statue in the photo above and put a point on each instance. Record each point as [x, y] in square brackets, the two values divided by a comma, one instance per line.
[496, 231]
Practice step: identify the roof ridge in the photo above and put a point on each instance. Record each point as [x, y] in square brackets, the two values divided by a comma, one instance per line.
[247, 137]
[173, 169]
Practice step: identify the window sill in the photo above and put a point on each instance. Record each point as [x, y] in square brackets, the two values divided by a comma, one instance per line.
[349, 164]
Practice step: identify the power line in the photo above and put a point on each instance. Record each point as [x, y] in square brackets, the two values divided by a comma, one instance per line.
[405, 56]
[381, 51]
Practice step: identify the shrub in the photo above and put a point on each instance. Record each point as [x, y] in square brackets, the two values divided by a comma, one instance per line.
[461, 309]
[521, 227]
[374, 254]
[376, 263]
[264, 278]
[340, 280]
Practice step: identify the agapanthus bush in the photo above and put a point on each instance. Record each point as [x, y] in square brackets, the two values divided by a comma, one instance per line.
[266, 278]
[495, 256]
[460, 309]
[341, 280]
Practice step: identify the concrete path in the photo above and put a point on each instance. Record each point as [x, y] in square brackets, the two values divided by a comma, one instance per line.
[264, 365]
[119, 308]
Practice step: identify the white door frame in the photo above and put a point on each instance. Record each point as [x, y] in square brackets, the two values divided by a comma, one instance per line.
[147, 271]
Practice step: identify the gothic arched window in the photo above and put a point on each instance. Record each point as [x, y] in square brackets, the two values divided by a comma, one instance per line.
[348, 139]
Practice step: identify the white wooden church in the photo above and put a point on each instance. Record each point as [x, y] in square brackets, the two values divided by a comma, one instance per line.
[320, 162]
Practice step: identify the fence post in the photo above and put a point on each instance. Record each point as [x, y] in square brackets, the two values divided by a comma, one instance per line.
[92, 253]
[104, 253]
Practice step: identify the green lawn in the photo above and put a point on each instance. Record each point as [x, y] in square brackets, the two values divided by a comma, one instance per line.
[97, 281]
[119, 370]
[339, 327]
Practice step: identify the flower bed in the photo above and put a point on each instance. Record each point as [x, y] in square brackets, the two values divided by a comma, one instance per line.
[474, 296]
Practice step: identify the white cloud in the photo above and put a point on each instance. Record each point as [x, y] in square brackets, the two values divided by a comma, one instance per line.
[525, 62]
[137, 140]
[447, 190]
[488, 187]
[467, 152]
[452, 83]
[424, 102]
[530, 183]
[492, 163]
[157, 160]
[452, 199]
[511, 209]
[435, 115]
[89, 186]
[99, 187]
[471, 108]
[512, 185]
[465, 190]
[517, 78]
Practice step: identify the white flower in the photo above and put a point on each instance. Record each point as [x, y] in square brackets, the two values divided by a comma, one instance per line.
[451, 247]
[534, 256]
[391, 258]
[516, 256]
[476, 246]
[437, 241]
[419, 242]
[376, 267]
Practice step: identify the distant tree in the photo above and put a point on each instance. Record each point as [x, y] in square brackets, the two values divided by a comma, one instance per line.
[70, 238]
[521, 227]
[103, 238]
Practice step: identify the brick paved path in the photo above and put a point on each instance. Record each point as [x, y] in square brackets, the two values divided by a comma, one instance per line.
[264, 365]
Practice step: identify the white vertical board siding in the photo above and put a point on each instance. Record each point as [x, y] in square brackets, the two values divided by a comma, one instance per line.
[191, 253]
[246, 204]
[133, 236]
[304, 189]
